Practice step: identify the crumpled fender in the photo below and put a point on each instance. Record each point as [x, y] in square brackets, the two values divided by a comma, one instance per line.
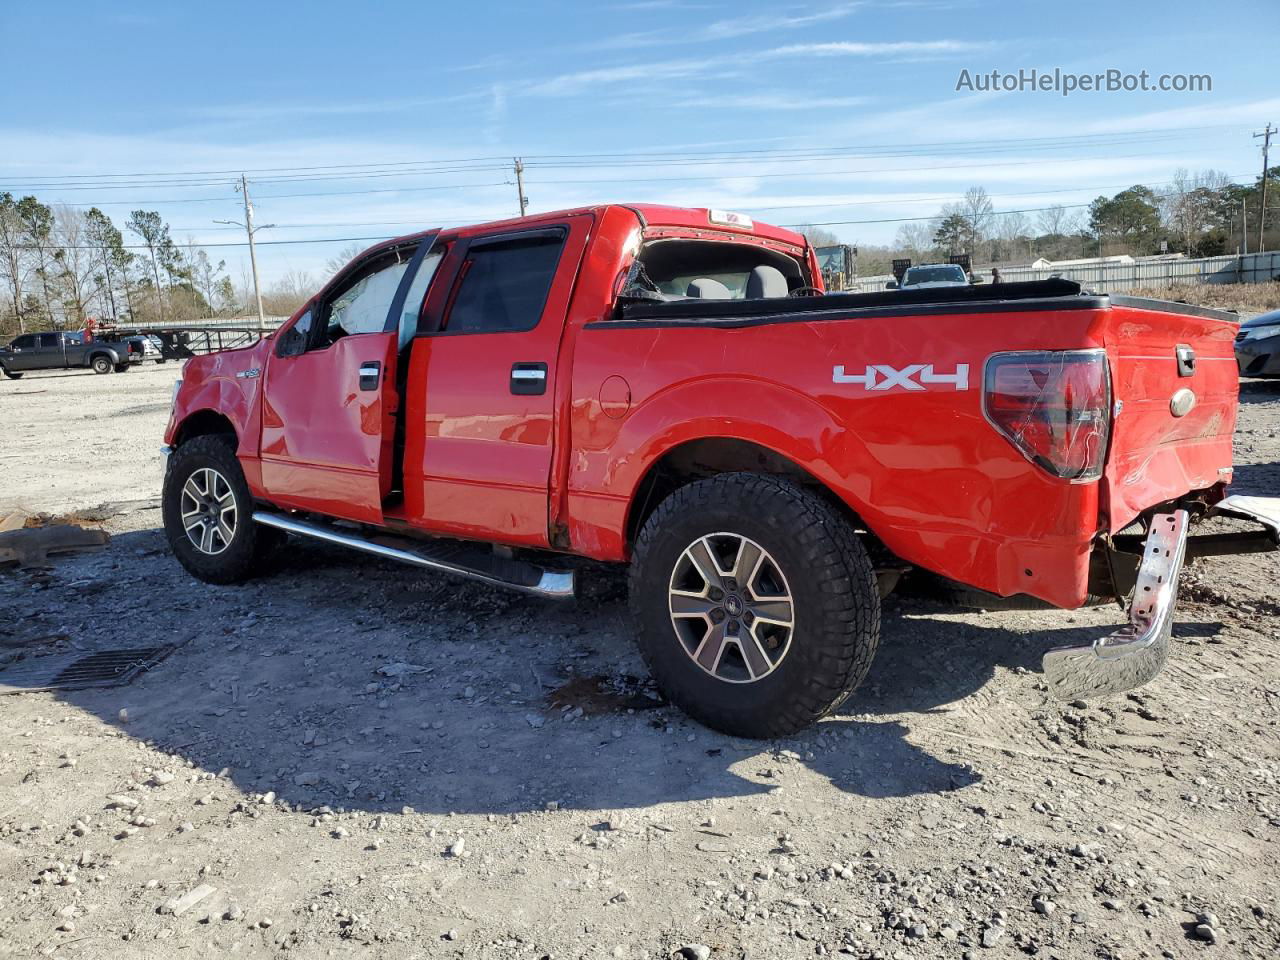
[226, 383]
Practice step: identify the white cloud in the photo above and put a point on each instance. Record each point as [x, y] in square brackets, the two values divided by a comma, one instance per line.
[885, 49]
[735, 65]
[726, 29]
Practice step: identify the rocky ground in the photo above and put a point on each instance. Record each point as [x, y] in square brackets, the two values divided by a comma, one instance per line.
[350, 758]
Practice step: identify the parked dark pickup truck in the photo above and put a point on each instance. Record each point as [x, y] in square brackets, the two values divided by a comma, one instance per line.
[63, 351]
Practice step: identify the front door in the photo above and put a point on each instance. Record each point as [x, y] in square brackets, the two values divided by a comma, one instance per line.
[330, 397]
[481, 386]
[24, 353]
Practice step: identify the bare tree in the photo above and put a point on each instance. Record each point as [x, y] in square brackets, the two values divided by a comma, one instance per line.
[13, 262]
[353, 250]
[208, 278]
[1013, 233]
[1191, 203]
[288, 293]
[977, 210]
[819, 236]
[916, 238]
[1052, 221]
[77, 276]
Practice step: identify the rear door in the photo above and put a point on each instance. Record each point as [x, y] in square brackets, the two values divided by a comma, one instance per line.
[481, 401]
[330, 398]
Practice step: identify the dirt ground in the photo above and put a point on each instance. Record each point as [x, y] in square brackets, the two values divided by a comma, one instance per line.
[350, 758]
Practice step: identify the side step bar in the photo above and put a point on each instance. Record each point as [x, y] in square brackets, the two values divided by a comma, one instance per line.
[463, 560]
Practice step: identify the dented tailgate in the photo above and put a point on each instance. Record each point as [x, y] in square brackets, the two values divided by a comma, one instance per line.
[1174, 393]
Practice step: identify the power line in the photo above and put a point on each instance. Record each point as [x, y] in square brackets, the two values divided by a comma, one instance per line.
[629, 180]
[945, 198]
[284, 196]
[1101, 139]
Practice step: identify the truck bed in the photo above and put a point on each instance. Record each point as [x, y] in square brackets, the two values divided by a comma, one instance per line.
[920, 462]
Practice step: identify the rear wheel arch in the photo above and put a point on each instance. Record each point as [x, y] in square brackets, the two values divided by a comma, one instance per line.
[705, 457]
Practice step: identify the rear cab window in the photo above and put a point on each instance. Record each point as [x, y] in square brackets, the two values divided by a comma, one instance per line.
[678, 269]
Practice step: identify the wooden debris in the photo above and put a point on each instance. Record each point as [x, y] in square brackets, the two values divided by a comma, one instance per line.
[31, 547]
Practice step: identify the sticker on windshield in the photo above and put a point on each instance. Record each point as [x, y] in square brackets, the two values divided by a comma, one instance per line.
[915, 376]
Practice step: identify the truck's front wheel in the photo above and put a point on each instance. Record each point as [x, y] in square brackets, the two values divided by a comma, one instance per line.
[10, 374]
[756, 604]
[208, 513]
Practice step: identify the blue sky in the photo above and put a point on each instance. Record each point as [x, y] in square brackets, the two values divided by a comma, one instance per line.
[820, 111]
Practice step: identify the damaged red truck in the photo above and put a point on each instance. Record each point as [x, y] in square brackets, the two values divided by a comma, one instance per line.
[672, 389]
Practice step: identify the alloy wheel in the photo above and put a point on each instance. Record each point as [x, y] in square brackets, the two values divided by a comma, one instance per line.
[731, 607]
[209, 512]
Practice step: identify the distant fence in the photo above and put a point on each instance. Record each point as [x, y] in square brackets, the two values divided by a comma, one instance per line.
[211, 323]
[1118, 277]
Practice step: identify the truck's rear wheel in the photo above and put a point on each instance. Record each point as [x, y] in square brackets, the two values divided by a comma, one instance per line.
[208, 512]
[10, 374]
[101, 364]
[122, 368]
[756, 604]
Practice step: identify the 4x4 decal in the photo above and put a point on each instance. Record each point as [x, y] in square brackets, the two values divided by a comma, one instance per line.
[915, 376]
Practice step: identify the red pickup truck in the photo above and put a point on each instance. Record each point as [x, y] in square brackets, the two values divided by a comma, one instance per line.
[672, 389]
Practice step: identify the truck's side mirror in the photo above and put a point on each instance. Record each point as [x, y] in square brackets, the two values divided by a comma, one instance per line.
[891, 285]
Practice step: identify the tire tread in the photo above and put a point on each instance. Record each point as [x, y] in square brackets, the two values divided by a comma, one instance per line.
[849, 617]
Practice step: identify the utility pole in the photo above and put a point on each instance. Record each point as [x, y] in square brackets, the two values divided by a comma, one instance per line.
[524, 201]
[250, 229]
[1244, 225]
[1262, 213]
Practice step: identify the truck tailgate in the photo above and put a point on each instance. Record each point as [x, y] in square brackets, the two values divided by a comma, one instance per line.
[1159, 449]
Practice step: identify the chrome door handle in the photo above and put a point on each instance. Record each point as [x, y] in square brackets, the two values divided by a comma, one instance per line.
[528, 379]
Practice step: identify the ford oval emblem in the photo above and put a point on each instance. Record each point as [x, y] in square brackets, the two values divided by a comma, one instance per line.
[1182, 402]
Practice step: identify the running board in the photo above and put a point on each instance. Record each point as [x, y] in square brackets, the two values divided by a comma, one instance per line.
[462, 559]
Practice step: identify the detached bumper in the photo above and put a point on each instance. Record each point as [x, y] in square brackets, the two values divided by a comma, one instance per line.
[1134, 654]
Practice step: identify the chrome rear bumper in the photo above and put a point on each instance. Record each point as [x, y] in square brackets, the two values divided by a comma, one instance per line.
[1134, 654]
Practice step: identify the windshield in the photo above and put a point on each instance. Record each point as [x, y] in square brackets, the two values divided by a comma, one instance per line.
[943, 272]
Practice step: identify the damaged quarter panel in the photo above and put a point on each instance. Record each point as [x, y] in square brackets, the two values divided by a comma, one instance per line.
[898, 433]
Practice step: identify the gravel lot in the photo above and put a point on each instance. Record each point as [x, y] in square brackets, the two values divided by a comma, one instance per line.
[351, 758]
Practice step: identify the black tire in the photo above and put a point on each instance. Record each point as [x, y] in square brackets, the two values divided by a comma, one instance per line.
[122, 368]
[835, 603]
[101, 364]
[10, 374]
[251, 544]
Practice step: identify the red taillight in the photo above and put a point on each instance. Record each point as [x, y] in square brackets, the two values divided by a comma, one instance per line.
[1054, 407]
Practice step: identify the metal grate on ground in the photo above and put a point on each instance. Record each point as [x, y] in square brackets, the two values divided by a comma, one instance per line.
[106, 668]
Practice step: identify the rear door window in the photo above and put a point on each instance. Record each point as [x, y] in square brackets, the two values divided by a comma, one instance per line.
[504, 284]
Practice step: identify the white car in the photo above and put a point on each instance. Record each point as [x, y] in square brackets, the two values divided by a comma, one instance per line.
[934, 275]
